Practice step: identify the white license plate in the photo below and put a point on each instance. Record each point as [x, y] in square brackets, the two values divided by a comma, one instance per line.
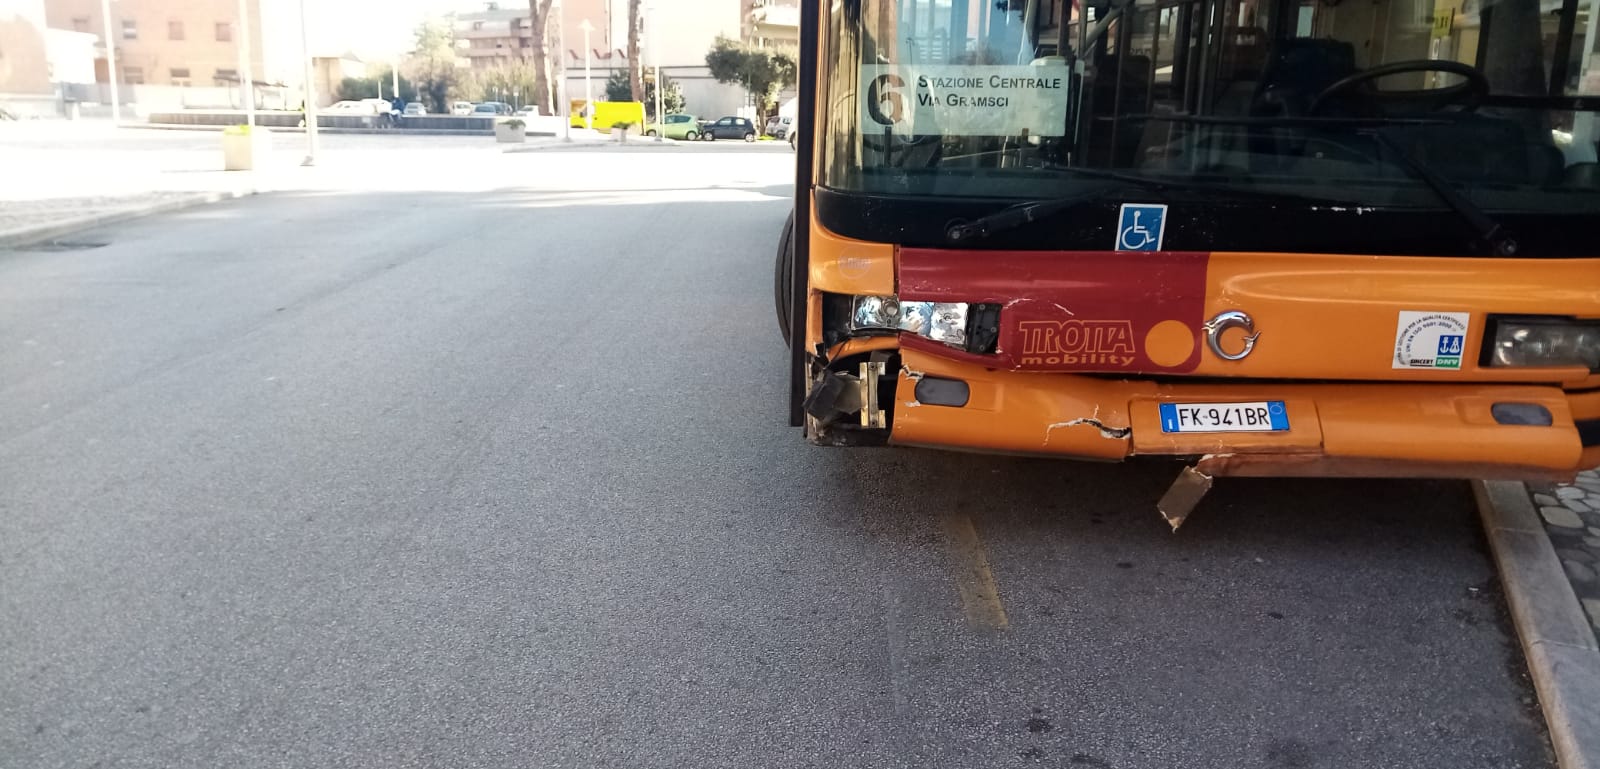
[1254, 417]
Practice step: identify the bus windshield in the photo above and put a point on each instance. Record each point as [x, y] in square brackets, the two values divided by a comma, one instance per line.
[1343, 101]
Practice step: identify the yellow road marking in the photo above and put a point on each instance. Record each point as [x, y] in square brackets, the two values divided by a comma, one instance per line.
[980, 594]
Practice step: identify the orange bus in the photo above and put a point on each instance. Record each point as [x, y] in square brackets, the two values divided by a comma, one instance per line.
[1263, 237]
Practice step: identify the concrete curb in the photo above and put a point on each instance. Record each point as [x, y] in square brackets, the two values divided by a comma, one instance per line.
[327, 130]
[27, 236]
[320, 130]
[639, 144]
[1562, 654]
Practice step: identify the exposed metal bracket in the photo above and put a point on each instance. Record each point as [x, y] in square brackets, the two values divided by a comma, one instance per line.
[1186, 492]
[871, 415]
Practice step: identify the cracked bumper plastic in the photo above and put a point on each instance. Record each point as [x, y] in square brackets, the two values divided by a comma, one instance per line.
[1345, 429]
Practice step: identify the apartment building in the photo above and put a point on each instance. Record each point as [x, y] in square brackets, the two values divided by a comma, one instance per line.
[176, 42]
[772, 24]
[495, 36]
[676, 36]
[496, 33]
[24, 65]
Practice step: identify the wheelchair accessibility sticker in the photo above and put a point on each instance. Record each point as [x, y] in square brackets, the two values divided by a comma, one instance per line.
[1430, 340]
[1141, 226]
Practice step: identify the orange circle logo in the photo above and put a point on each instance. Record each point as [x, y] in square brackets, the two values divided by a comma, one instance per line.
[1169, 343]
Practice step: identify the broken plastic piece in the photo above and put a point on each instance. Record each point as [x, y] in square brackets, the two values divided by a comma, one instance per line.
[832, 397]
[1185, 493]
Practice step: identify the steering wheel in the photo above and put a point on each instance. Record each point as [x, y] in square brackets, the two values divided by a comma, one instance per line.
[1466, 95]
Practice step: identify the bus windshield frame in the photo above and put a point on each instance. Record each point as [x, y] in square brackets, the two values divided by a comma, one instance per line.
[1328, 104]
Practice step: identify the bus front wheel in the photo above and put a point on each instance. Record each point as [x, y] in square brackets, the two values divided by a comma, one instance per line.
[783, 279]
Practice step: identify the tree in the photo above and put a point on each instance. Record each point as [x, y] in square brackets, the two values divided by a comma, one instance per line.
[432, 65]
[517, 82]
[635, 67]
[371, 87]
[538, 20]
[619, 89]
[763, 74]
[617, 86]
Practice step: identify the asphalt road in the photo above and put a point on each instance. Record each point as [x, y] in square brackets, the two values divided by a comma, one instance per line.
[497, 476]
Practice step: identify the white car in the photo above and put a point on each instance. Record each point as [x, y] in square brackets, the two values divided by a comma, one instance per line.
[528, 111]
[461, 108]
[359, 107]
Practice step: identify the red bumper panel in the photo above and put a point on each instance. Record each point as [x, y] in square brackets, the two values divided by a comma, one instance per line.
[1107, 311]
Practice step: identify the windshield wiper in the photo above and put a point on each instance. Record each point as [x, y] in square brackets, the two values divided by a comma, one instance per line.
[1492, 233]
[1012, 217]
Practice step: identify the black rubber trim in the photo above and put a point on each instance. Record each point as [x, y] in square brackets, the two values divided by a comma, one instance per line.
[1588, 432]
[806, 124]
[1195, 224]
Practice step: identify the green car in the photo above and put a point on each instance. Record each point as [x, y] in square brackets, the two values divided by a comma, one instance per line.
[676, 127]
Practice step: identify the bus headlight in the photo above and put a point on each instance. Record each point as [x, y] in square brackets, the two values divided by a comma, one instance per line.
[940, 321]
[1545, 342]
[875, 312]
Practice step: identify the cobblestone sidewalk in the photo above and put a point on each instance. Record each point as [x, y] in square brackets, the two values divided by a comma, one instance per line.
[1571, 514]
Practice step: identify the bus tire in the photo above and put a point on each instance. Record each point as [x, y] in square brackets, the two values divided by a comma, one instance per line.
[783, 278]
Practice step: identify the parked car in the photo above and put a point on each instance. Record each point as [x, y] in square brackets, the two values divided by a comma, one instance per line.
[729, 128]
[415, 109]
[676, 127]
[778, 126]
[348, 107]
[492, 108]
[379, 106]
[461, 108]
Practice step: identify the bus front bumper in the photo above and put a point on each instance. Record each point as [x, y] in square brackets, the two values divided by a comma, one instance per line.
[1334, 429]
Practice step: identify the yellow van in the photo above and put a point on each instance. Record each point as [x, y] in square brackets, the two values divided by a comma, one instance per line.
[608, 113]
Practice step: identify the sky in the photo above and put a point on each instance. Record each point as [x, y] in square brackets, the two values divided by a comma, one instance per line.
[380, 31]
[373, 28]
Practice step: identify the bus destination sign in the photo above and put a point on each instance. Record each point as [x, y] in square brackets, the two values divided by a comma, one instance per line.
[965, 100]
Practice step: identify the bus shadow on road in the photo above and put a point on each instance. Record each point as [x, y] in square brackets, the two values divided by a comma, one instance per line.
[1009, 496]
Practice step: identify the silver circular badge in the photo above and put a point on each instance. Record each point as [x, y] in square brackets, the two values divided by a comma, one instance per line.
[1224, 321]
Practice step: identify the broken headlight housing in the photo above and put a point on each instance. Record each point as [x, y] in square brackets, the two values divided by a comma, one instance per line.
[1543, 342]
[940, 321]
[970, 327]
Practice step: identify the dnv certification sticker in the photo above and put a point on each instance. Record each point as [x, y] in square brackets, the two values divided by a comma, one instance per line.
[1430, 340]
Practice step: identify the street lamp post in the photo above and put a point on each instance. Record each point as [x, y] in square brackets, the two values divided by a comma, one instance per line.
[564, 108]
[247, 92]
[588, 85]
[111, 61]
[311, 90]
[655, 57]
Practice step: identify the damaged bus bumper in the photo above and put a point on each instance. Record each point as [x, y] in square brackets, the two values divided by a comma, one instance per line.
[1430, 430]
